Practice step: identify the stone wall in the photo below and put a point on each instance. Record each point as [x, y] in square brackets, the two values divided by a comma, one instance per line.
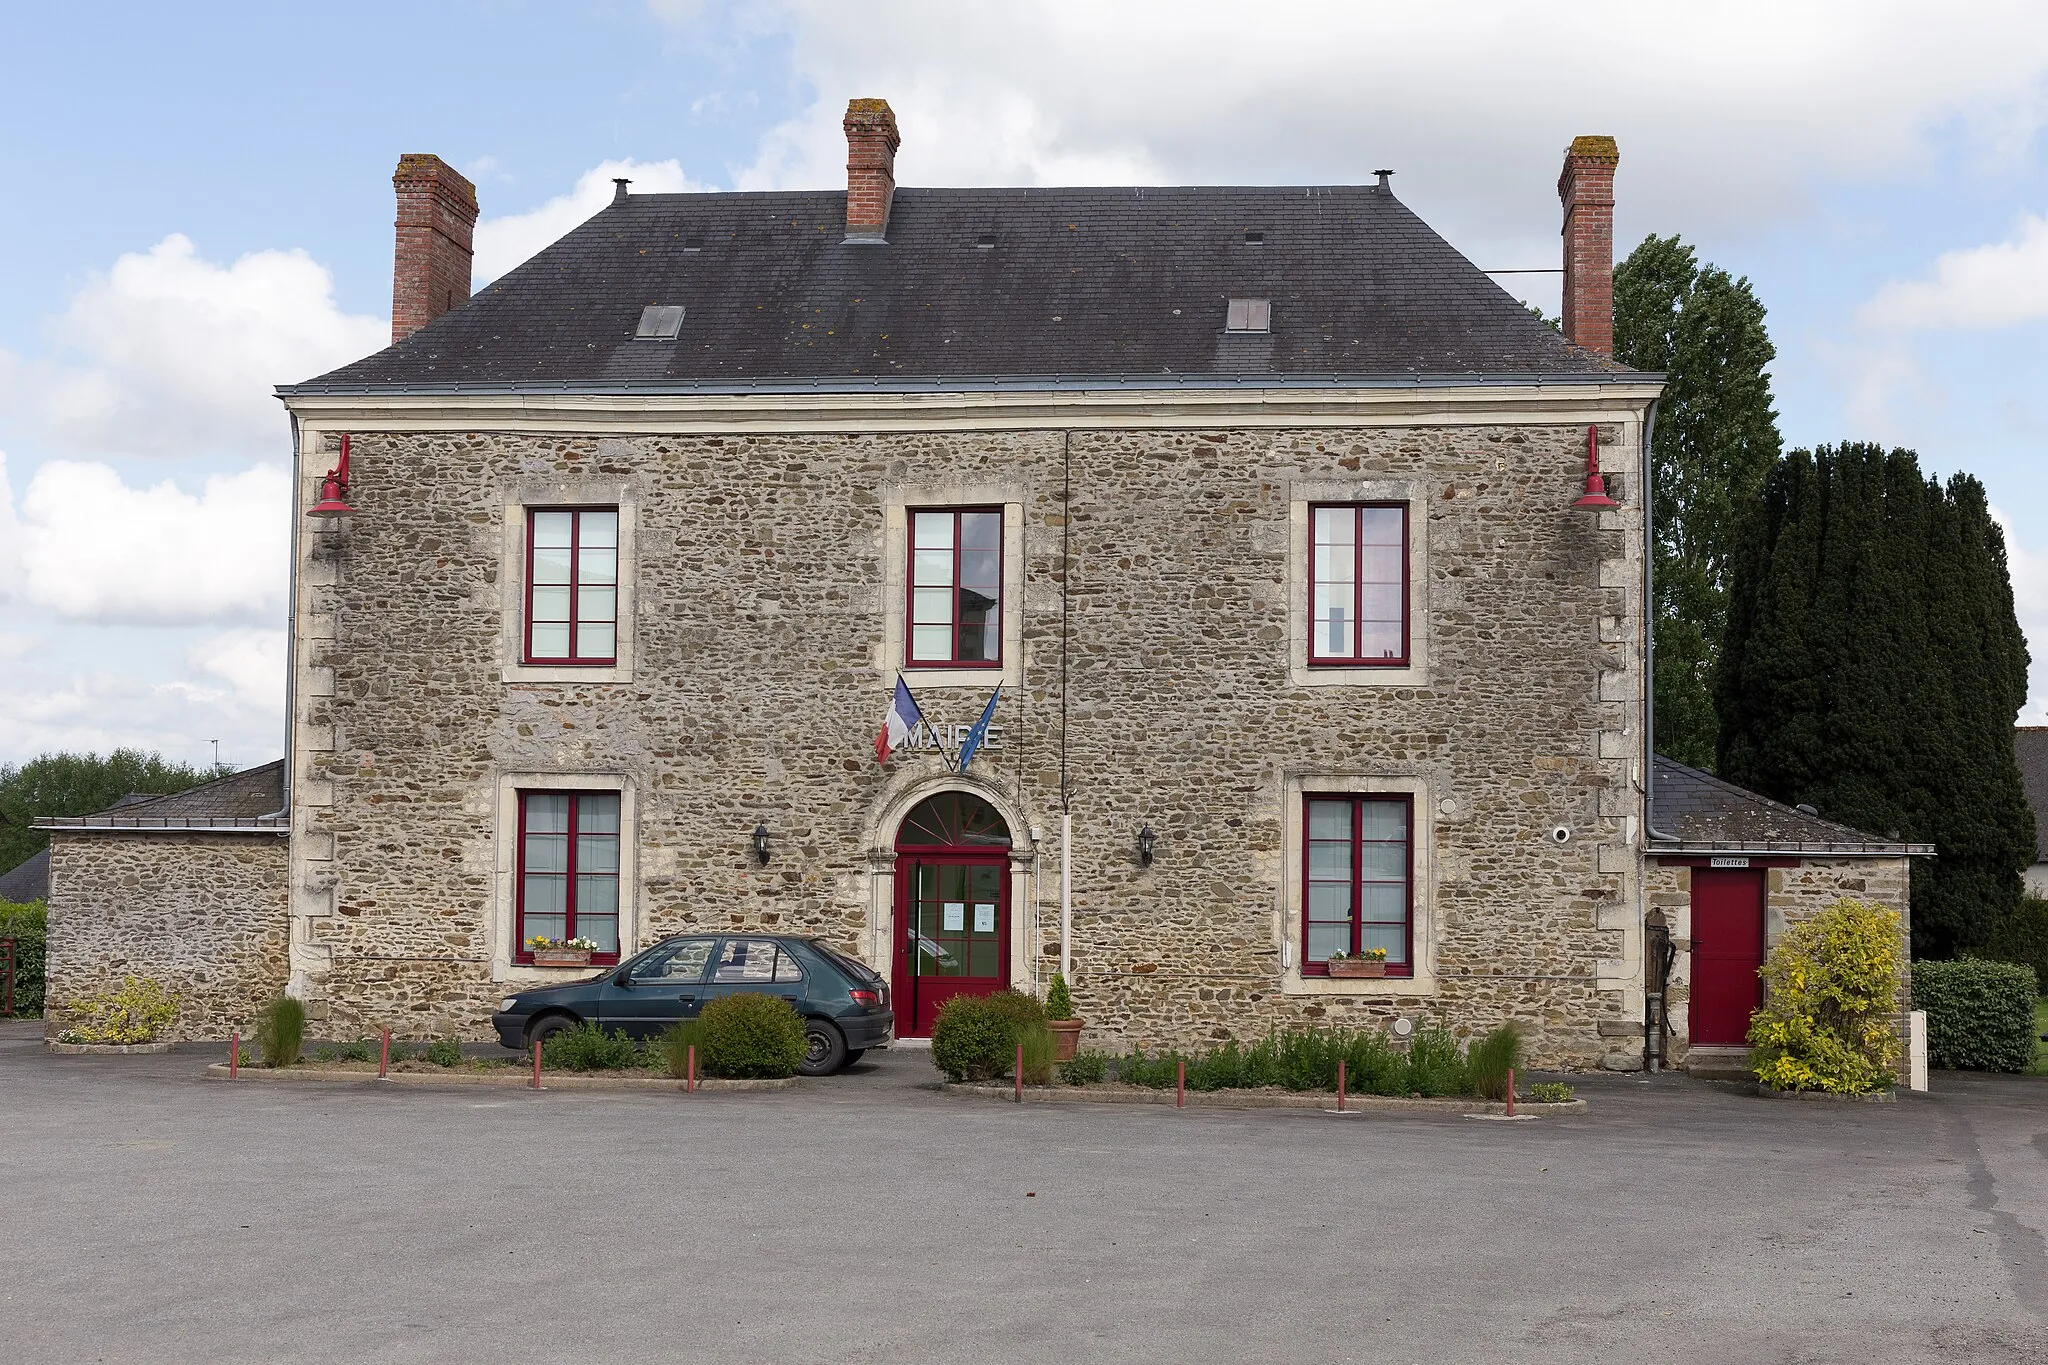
[1791, 894]
[204, 915]
[759, 676]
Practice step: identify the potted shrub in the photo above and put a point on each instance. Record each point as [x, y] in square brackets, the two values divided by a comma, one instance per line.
[1372, 962]
[561, 952]
[1059, 1017]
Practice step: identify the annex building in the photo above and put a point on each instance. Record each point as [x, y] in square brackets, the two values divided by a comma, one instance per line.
[1275, 520]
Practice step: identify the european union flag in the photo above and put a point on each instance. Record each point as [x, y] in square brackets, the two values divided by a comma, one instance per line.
[978, 731]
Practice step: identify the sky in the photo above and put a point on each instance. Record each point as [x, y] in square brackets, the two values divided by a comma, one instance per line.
[202, 209]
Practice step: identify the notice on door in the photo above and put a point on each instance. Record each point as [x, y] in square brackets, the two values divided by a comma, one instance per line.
[954, 919]
[985, 917]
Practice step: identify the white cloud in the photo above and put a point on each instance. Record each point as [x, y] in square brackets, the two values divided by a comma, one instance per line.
[1727, 124]
[252, 662]
[2028, 567]
[84, 545]
[2000, 284]
[502, 243]
[169, 353]
[70, 704]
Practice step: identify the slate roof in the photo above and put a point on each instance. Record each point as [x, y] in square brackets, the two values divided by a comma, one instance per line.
[1692, 810]
[29, 881]
[249, 800]
[1127, 284]
[2030, 747]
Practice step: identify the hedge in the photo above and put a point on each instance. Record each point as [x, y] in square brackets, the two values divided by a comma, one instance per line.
[750, 1036]
[975, 1037]
[27, 925]
[1980, 1015]
[2021, 936]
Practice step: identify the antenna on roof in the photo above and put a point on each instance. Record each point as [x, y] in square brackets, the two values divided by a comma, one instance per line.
[619, 193]
[1385, 176]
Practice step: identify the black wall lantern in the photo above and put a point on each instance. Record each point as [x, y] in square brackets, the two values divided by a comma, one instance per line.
[1146, 838]
[761, 844]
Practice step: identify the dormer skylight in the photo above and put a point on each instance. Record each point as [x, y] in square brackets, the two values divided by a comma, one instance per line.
[660, 322]
[1249, 315]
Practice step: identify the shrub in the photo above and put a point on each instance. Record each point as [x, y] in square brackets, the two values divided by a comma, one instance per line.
[1831, 997]
[1039, 1050]
[28, 925]
[280, 1030]
[326, 1054]
[1087, 1068]
[673, 1047]
[1436, 1064]
[1490, 1060]
[361, 1050]
[1550, 1092]
[443, 1052]
[975, 1037]
[587, 1047]
[1980, 1015]
[1059, 1001]
[2021, 935]
[1153, 1072]
[135, 1013]
[1373, 1067]
[750, 1036]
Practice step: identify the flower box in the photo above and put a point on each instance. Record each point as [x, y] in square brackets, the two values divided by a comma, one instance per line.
[561, 957]
[1357, 968]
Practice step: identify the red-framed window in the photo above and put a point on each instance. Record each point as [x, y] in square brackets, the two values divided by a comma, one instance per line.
[572, 585]
[1358, 584]
[956, 588]
[1358, 880]
[569, 870]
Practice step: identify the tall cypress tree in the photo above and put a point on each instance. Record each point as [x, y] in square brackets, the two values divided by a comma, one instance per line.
[1873, 667]
[1716, 437]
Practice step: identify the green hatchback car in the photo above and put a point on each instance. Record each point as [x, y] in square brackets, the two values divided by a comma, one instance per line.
[844, 1003]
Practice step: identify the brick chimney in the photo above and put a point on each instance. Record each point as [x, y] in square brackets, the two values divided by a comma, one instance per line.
[871, 142]
[1587, 189]
[436, 221]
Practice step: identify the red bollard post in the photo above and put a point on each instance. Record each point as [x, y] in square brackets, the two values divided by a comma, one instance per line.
[538, 1044]
[1020, 1073]
[1180, 1084]
[234, 1055]
[1340, 1085]
[384, 1057]
[1511, 1092]
[690, 1078]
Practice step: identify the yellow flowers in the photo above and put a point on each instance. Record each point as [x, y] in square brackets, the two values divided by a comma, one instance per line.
[1831, 999]
[134, 1014]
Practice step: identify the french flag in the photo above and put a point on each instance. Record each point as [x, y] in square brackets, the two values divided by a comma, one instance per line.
[903, 717]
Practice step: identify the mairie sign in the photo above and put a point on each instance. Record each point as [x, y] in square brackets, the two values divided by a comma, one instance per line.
[947, 738]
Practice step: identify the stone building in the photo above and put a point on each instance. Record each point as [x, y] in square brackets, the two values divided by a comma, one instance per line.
[1268, 519]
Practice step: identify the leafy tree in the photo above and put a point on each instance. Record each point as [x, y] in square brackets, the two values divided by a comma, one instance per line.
[1873, 667]
[1716, 437]
[79, 784]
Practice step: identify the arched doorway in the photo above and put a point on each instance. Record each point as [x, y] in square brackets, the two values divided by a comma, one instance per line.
[952, 907]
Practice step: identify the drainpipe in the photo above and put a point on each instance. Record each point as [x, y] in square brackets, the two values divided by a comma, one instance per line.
[1066, 798]
[1649, 633]
[291, 638]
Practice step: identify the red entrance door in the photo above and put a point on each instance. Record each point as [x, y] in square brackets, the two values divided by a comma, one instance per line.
[1727, 950]
[952, 908]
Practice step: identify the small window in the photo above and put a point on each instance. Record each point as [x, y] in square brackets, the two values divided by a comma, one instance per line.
[692, 244]
[1358, 584]
[660, 321]
[569, 870]
[1357, 880]
[679, 962]
[985, 242]
[572, 586]
[1249, 315]
[956, 588]
[755, 961]
[1254, 237]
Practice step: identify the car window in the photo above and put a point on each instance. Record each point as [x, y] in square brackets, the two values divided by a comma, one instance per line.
[755, 961]
[683, 961]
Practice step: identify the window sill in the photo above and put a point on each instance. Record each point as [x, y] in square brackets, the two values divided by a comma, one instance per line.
[1359, 675]
[1292, 982]
[953, 675]
[567, 673]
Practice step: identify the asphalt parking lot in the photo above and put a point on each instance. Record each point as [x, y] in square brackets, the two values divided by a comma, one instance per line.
[147, 1214]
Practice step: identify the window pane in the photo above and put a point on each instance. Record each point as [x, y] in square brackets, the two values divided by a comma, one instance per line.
[1380, 563]
[597, 604]
[1329, 819]
[931, 606]
[682, 962]
[550, 566]
[1335, 563]
[1379, 525]
[551, 529]
[601, 930]
[1380, 641]
[551, 604]
[547, 813]
[981, 530]
[981, 642]
[547, 852]
[544, 926]
[599, 853]
[1329, 901]
[786, 968]
[596, 896]
[596, 642]
[1383, 862]
[1394, 938]
[984, 958]
[1329, 861]
[1382, 603]
[1327, 939]
[599, 529]
[932, 569]
[598, 813]
[600, 565]
[546, 895]
[931, 642]
[551, 641]
[932, 531]
[1336, 525]
[981, 570]
[1384, 820]
[1333, 633]
[746, 960]
[1383, 903]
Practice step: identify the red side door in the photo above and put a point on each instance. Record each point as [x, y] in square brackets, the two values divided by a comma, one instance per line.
[1727, 950]
[952, 933]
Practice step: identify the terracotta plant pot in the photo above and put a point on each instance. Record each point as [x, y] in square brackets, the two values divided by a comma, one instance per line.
[1066, 1036]
[1356, 968]
[561, 957]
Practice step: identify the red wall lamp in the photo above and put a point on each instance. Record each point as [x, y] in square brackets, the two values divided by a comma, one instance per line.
[334, 488]
[1594, 498]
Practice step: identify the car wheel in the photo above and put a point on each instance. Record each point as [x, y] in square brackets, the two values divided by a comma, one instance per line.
[542, 1029]
[824, 1049]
